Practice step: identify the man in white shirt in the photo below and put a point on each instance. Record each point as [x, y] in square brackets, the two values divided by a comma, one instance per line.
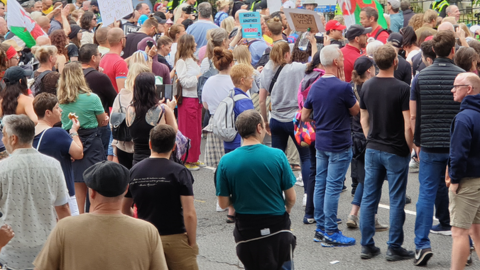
[33, 193]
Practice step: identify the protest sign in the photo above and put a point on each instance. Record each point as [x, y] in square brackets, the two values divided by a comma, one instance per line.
[274, 5]
[111, 11]
[251, 25]
[301, 20]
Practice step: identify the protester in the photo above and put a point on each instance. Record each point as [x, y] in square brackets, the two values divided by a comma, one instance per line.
[112, 63]
[403, 72]
[407, 12]
[255, 166]
[74, 96]
[74, 43]
[45, 78]
[368, 18]
[429, 22]
[409, 44]
[167, 204]
[164, 47]
[59, 40]
[105, 244]
[36, 197]
[218, 38]
[199, 29]
[335, 33]
[87, 23]
[396, 17]
[466, 59]
[143, 9]
[357, 41]
[440, 6]
[56, 142]
[159, 69]
[175, 33]
[223, 7]
[149, 29]
[101, 38]
[453, 11]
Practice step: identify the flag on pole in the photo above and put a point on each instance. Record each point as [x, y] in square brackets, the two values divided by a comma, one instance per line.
[351, 11]
[22, 25]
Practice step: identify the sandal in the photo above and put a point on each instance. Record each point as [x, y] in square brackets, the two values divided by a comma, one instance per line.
[230, 219]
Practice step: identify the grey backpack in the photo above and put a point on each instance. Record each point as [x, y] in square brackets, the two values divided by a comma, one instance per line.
[223, 121]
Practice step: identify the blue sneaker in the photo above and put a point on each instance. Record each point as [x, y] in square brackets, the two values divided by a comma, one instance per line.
[442, 230]
[338, 239]
[319, 236]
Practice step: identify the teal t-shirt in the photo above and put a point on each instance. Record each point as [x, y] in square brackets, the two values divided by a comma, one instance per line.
[86, 107]
[255, 176]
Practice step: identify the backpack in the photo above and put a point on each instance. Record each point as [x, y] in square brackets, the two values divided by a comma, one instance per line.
[203, 78]
[37, 85]
[120, 130]
[264, 59]
[223, 121]
[382, 30]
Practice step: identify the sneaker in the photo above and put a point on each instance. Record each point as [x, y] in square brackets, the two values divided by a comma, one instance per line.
[308, 220]
[299, 181]
[414, 165]
[199, 164]
[304, 202]
[352, 222]
[379, 227]
[398, 254]
[339, 221]
[353, 191]
[422, 256]
[319, 236]
[408, 200]
[369, 252]
[344, 188]
[469, 260]
[192, 167]
[219, 209]
[337, 239]
[442, 230]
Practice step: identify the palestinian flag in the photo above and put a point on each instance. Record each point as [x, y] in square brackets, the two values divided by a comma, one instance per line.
[22, 25]
[351, 11]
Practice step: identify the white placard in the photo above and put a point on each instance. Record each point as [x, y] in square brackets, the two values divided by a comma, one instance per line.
[114, 10]
[274, 5]
[301, 19]
[322, 2]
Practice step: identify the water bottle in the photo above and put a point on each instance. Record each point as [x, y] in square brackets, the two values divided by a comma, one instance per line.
[303, 43]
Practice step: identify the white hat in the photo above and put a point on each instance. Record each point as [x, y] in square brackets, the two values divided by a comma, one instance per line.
[474, 29]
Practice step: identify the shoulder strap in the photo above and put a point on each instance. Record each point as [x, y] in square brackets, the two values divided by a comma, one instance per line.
[161, 114]
[41, 137]
[274, 79]
[120, 103]
[379, 32]
[40, 77]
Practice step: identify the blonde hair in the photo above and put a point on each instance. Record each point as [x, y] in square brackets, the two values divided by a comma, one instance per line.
[138, 57]
[133, 71]
[466, 30]
[340, 19]
[72, 83]
[240, 71]
[43, 53]
[451, 20]
[221, 4]
[242, 55]
[179, 12]
[416, 21]
[429, 16]
[228, 24]
[277, 55]
[217, 38]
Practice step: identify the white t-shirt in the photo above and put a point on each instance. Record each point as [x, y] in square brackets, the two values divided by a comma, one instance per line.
[187, 71]
[288, 4]
[216, 89]
[412, 54]
[171, 56]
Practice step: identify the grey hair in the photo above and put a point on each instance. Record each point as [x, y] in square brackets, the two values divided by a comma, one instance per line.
[247, 123]
[28, 4]
[20, 126]
[328, 54]
[404, 5]
[449, 9]
[205, 10]
[373, 46]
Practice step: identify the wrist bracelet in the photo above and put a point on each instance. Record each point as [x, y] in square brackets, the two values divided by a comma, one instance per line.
[73, 134]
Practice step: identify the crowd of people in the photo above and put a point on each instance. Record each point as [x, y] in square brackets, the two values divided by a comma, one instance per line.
[93, 144]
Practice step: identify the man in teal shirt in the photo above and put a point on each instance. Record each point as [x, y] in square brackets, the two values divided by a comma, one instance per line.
[396, 17]
[253, 179]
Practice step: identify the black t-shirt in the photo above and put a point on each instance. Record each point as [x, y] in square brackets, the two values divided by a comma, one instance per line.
[356, 126]
[132, 41]
[162, 60]
[385, 99]
[102, 86]
[156, 185]
[404, 71]
[72, 50]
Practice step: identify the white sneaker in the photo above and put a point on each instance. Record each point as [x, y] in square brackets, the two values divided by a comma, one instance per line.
[414, 165]
[219, 209]
[304, 200]
[299, 181]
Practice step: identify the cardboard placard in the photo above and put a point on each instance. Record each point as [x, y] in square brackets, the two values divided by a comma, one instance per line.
[301, 20]
[111, 11]
[274, 5]
[251, 25]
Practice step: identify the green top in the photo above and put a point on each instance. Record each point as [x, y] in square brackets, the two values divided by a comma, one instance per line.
[255, 176]
[86, 107]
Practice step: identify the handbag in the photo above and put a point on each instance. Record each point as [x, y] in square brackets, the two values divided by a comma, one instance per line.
[304, 131]
[120, 130]
[177, 87]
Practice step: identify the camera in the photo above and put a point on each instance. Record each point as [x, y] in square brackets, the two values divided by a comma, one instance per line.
[188, 9]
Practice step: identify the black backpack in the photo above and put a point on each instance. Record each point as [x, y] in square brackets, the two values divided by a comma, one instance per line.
[120, 130]
[382, 30]
[37, 85]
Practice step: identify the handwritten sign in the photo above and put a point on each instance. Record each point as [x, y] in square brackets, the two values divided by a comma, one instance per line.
[251, 25]
[111, 11]
[301, 20]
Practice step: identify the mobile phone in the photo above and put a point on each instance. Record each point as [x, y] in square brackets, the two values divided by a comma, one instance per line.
[456, 27]
[164, 91]
[150, 44]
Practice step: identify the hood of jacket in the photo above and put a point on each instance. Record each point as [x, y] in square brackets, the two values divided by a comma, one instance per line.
[309, 79]
[471, 102]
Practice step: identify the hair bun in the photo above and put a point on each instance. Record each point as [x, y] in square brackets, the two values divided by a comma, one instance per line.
[218, 52]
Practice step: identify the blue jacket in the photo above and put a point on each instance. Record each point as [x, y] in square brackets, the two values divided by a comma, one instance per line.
[240, 106]
[465, 141]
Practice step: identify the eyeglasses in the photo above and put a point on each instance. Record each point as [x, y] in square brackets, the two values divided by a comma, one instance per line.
[460, 85]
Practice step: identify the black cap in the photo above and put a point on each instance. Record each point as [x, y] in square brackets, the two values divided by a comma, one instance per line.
[362, 64]
[396, 39]
[261, 5]
[160, 20]
[14, 74]
[74, 29]
[357, 30]
[94, 3]
[108, 178]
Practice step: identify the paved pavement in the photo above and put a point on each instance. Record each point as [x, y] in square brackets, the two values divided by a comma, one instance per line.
[217, 246]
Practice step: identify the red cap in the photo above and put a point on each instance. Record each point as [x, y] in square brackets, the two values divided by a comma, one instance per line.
[334, 25]
[428, 38]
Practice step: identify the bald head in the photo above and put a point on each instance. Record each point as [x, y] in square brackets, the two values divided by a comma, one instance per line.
[115, 36]
[43, 40]
[471, 79]
[446, 26]
[44, 23]
[101, 36]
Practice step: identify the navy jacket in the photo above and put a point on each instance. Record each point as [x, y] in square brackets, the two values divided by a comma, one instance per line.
[465, 141]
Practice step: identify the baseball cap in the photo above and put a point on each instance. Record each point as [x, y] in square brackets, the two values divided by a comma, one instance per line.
[14, 74]
[108, 178]
[396, 39]
[394, 3]
[334, 25]
[160, 20]
[357, 30]
[362, 64]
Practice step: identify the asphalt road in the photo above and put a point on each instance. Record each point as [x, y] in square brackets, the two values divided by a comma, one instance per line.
[217, 246]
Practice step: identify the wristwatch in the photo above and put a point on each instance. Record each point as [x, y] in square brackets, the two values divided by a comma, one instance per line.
[73, 134]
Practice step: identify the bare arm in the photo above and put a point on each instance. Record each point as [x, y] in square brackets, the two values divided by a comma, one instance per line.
[263, 107]
[365, 121]
[355, 109]
[62, 211]
[121, 81]
[127, 206]
[190, 219]
[224, 201]
[306, 115]
[28, 105]
[413, 114]
[408, 129]
[102, 119]
[65, 22]
[205, 105]
[61, 60]
[290, 198]
[170, 118]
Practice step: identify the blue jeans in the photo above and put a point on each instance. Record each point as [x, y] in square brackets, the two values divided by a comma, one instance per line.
[280, 133]
[357, 199]
[431, 175]
[105, 133]
[331, 170]
[377, 164]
